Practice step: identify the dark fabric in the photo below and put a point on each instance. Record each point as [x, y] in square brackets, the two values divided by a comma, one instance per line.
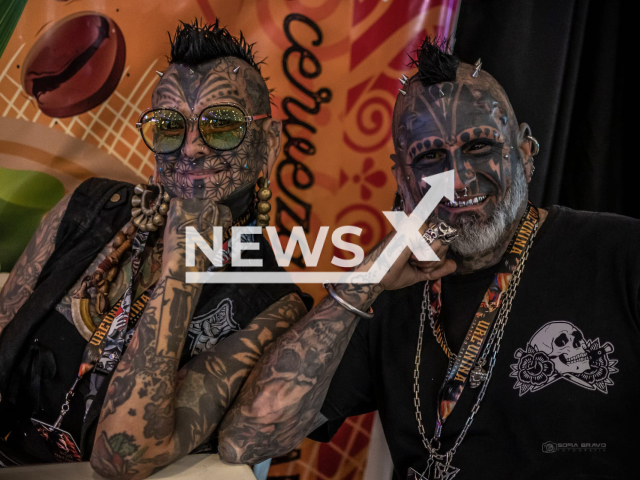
[566, 67]
[92, 221]
[46, 361]
[574, 275]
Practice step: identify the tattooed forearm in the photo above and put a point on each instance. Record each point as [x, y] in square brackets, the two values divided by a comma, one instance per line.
[280, 403]
[145, 381]
[213, 379]
[26, 271]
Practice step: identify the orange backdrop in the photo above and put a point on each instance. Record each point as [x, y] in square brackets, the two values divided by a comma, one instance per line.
[334, 65]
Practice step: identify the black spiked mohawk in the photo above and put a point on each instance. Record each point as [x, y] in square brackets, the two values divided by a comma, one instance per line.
[195, 43]
[433, 62]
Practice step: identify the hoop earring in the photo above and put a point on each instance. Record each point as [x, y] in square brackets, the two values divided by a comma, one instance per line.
[535, 145]
[264, 207]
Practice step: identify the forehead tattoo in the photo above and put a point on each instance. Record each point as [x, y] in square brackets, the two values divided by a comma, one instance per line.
[451, 115]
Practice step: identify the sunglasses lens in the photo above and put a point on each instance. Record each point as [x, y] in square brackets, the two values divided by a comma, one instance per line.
[223, 127]
[163, 130]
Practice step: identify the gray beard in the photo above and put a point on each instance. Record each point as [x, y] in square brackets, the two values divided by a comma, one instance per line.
[476, 238]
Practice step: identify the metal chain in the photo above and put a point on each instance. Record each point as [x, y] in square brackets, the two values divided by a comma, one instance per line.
[445, 346]
[496, 336]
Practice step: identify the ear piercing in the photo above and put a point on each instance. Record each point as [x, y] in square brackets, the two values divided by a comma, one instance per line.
[534, 144]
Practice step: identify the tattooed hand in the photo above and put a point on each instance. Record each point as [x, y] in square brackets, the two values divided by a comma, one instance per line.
[408, 270]
[203, 215]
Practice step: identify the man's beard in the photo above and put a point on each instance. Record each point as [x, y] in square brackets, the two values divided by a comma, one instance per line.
[474, 237]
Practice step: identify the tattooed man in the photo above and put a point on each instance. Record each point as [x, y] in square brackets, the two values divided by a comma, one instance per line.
[522, 364]
[192, 347]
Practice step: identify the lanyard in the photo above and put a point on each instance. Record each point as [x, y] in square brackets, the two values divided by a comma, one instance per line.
[460, 369]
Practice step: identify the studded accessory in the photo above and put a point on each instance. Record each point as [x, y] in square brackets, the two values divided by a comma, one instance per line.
[264, 207]
[468, 364]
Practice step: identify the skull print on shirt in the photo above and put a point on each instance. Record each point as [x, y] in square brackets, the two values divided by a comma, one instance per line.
[559, 351]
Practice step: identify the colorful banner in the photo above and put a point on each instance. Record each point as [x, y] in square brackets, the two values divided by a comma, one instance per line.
[75, 75]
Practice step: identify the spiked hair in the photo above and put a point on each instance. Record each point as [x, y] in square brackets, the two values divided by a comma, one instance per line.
[195, 43]
[433, 62]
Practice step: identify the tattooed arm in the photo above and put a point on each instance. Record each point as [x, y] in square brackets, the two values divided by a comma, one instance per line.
[281, 401]
[26, 271]
[153, 414]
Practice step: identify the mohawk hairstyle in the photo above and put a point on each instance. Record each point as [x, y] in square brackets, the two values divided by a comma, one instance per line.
[195, 43]
[433, 63]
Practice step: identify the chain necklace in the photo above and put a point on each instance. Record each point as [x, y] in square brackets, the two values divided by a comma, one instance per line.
[493, 345]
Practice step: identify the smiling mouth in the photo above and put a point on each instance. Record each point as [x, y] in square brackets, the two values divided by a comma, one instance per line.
[465, 202]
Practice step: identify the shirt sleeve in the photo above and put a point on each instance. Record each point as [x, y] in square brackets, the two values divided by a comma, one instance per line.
[351, 391]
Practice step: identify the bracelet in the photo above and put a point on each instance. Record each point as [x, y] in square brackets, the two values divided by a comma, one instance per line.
[347, 306]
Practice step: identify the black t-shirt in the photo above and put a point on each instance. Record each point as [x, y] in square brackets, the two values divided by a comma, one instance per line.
[564, 398]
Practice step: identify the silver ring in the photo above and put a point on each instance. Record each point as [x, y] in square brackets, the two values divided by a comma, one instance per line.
[535, 144]
[441, 231]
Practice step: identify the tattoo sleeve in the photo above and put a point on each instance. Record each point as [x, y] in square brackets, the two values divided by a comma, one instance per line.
[154, 414]
[280, 402]
[26, 271]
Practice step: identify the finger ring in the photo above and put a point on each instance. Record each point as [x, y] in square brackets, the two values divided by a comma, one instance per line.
[446, 234]
[441, 231]
[431, 234]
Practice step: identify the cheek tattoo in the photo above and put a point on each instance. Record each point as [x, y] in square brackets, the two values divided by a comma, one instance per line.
[221, 172]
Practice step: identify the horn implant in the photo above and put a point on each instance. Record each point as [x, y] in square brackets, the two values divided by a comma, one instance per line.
[160, 74]
[478, 66]
[235, 70]
[404, 77]
[402, 81]
[402, 91]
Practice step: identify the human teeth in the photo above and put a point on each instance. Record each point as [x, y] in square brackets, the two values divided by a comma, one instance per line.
[475, 200]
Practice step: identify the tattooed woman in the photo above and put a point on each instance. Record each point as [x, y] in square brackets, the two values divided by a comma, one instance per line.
[102, 338]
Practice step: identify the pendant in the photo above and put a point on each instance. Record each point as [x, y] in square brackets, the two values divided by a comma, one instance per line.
[477, 377]
[441, 471]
